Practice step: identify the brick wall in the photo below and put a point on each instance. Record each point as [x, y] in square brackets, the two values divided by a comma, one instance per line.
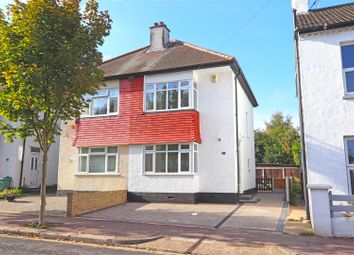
[80, 202]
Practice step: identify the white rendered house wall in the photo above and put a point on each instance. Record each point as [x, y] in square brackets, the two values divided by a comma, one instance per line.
[328, 117]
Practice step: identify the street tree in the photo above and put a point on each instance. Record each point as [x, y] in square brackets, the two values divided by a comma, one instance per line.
[49, 60]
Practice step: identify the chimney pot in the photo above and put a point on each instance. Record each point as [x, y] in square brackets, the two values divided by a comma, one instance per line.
[156, 24]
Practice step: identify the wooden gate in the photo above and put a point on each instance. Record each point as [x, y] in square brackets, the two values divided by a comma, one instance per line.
[264, 184]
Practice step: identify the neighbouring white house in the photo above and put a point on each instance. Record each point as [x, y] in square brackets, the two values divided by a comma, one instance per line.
[174, 124]
[324, 40]
[21, 160]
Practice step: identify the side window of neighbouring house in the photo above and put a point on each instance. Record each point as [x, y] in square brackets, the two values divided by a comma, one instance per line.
[98, 160]
[348, 67]
[170, 96]
[170, 159]
[104, 102]
[350, 160]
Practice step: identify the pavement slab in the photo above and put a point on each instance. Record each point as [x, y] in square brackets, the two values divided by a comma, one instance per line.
[29, 204]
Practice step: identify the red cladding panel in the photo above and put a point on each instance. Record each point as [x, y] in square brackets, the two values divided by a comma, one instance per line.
[132, 126]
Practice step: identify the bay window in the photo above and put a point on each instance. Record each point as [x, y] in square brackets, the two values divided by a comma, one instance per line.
[98, 160]
[170, 96]
[348, 67]
[170, 159]
[104, 102]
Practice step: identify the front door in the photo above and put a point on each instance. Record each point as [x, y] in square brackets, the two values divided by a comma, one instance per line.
[34, 170]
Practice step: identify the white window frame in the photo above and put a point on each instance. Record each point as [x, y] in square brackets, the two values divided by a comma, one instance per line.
[192, 90]
[105, 153]
[346, 70]
[193, 151]
[350, 167]
[106, 95]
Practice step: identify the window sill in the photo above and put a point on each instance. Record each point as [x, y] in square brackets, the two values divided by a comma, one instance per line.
[170, 174]
[100, 116]
[348, 96]
[97, 174]
[171, 110]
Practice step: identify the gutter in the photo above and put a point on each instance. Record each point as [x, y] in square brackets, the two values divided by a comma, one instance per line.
[301, 115]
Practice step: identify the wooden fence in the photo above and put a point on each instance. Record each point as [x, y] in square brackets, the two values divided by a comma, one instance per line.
[340, 198]
[277, 171]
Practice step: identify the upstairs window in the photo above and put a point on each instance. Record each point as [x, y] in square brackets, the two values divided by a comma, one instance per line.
[170, 96]
[104, 102]
[348, 68]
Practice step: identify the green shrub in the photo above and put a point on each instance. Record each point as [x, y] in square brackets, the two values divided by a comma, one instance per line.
[15, 191]
[307, 233]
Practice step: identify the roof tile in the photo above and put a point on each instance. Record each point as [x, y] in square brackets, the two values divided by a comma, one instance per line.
[326, 18]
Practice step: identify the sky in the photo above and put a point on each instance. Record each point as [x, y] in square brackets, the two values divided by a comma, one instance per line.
[259, 33]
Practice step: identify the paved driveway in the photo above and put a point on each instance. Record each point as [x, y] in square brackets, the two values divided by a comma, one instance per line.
[268, 214]
[191, 214]
[29, 204]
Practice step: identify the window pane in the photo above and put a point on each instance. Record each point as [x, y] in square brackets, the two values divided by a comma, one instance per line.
[99, 106]
[161, 100]
[348, 56]
[111, 163]
[184, 162]
[82, 163]
[98, 150]
[97, 163]
[185, 98]
[184, 83]
[350, 146]
[184, 146]
[173, 147]
[160, 86]
[113, 104]
[349, 77]
[149, 100]
[148, 162]
[173, 99]
[113, 92]
[149, 87]
[195, 162]
[112, 149]
[101, 93]
[149, 147]
[160, 147]
[173, 85]
[160, 162]
[172, 162]
[83, 150]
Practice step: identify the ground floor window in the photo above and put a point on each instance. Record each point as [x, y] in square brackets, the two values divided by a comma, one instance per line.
[170, 158]
[98, 160]
[349, 148]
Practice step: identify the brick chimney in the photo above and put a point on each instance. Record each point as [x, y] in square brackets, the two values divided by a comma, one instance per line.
[159, 36]
[301, 6]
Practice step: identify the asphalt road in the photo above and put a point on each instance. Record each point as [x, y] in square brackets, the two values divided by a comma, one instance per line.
[17, 246]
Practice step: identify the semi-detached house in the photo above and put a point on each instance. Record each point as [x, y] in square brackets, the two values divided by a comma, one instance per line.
[173, 124]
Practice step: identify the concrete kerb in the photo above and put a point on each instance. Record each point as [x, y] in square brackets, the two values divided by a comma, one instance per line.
[75, 237]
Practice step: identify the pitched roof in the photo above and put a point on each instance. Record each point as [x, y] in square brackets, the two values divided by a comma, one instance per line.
[326, 18]
[177, 55]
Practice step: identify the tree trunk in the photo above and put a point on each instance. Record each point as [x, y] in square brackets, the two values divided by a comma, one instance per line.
[43, 189]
